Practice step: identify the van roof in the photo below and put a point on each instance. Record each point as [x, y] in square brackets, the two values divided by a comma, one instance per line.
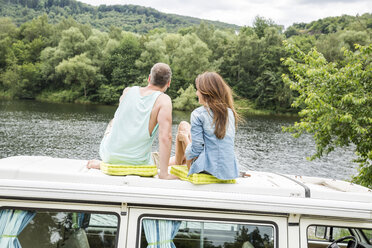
[68, 179]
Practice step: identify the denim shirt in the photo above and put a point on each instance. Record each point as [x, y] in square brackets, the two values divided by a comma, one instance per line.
[215, 156]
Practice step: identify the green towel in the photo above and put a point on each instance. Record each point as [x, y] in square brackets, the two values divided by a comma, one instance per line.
[123, 170]
[181, 171]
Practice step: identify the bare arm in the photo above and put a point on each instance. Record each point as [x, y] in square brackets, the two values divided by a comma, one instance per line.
[164, 120]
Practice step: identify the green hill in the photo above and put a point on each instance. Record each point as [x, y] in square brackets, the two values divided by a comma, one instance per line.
[332, 24]
[132, 18]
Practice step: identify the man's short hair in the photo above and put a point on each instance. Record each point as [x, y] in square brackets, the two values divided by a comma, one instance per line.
[160, 74]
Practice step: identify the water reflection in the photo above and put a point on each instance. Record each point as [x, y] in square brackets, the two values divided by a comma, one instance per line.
[75, 131]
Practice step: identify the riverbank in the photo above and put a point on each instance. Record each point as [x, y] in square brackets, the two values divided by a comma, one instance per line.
[244, 107]
[64, 96]
[5, 95]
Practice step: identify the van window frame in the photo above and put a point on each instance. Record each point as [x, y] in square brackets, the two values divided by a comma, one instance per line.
[72, 211]
[331, 232]
[209, 219]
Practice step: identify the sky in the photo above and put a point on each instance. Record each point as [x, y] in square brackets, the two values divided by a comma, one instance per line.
[243, 12]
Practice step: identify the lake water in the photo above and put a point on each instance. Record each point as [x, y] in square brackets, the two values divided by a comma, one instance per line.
[75, 131]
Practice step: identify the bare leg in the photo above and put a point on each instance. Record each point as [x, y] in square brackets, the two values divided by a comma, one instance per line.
[183, 138]
[94, 163]
[188, 163]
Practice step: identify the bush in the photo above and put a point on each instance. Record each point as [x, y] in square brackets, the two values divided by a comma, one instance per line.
[109, 94]
[337, 103]
[187, 99]
[59, 96]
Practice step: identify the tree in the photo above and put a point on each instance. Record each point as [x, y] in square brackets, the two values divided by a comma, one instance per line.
[191, 57]
[115, 33]
[78, 71]
[269, 88]
[36, 28]
[350, 38]
[205, 32]
[5, 51]
[260, 24]
[330, 46]
[304, 42]
[244, 58]
[7, 28]
[186, 100]
[109, 94]
[22, 81]
[171, 42]
[336, 101]
[219, 45]
[120, 68]
[94, 46]
[49, 60]
[292, 31]
[72, 42]
[154, 51]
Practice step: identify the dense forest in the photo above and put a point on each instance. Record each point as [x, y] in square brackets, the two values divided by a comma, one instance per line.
[131, 18]
[78, 53]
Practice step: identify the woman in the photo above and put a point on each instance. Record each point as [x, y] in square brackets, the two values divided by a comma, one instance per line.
[207, 145]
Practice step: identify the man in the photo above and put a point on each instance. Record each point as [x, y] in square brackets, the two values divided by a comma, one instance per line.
[142, 112]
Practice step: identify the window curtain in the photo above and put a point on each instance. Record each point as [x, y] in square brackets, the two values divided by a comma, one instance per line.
[160, 233]
[81, 217]
[77, 220]
[12, 223]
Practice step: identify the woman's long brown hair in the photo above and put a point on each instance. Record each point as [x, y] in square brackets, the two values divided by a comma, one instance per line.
[218, 97]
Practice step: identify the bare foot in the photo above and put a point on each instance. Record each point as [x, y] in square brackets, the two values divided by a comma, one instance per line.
[94, 164]
[168, 176]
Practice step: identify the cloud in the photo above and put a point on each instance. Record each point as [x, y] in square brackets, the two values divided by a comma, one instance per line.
[317, 2]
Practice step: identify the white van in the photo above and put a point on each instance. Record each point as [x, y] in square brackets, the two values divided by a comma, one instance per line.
[51, 202]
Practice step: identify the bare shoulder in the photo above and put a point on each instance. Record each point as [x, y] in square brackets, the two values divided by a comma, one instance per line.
[126, 90]
[164, 99]
[124, 93]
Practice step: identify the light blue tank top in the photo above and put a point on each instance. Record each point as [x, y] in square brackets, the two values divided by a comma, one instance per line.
[129, 141]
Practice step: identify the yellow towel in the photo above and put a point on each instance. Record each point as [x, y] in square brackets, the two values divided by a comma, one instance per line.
[181, 171]
[123, 170]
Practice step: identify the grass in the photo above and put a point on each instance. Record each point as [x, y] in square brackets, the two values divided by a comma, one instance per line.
[5, 95]
[61, 96]
[246, 107]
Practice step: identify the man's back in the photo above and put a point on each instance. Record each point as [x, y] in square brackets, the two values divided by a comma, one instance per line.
[133, 133]
[129, 141]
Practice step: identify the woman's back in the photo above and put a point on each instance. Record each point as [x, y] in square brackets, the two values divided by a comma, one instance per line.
[215, 156]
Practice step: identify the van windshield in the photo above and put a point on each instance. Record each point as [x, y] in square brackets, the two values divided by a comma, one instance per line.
[368, 235]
